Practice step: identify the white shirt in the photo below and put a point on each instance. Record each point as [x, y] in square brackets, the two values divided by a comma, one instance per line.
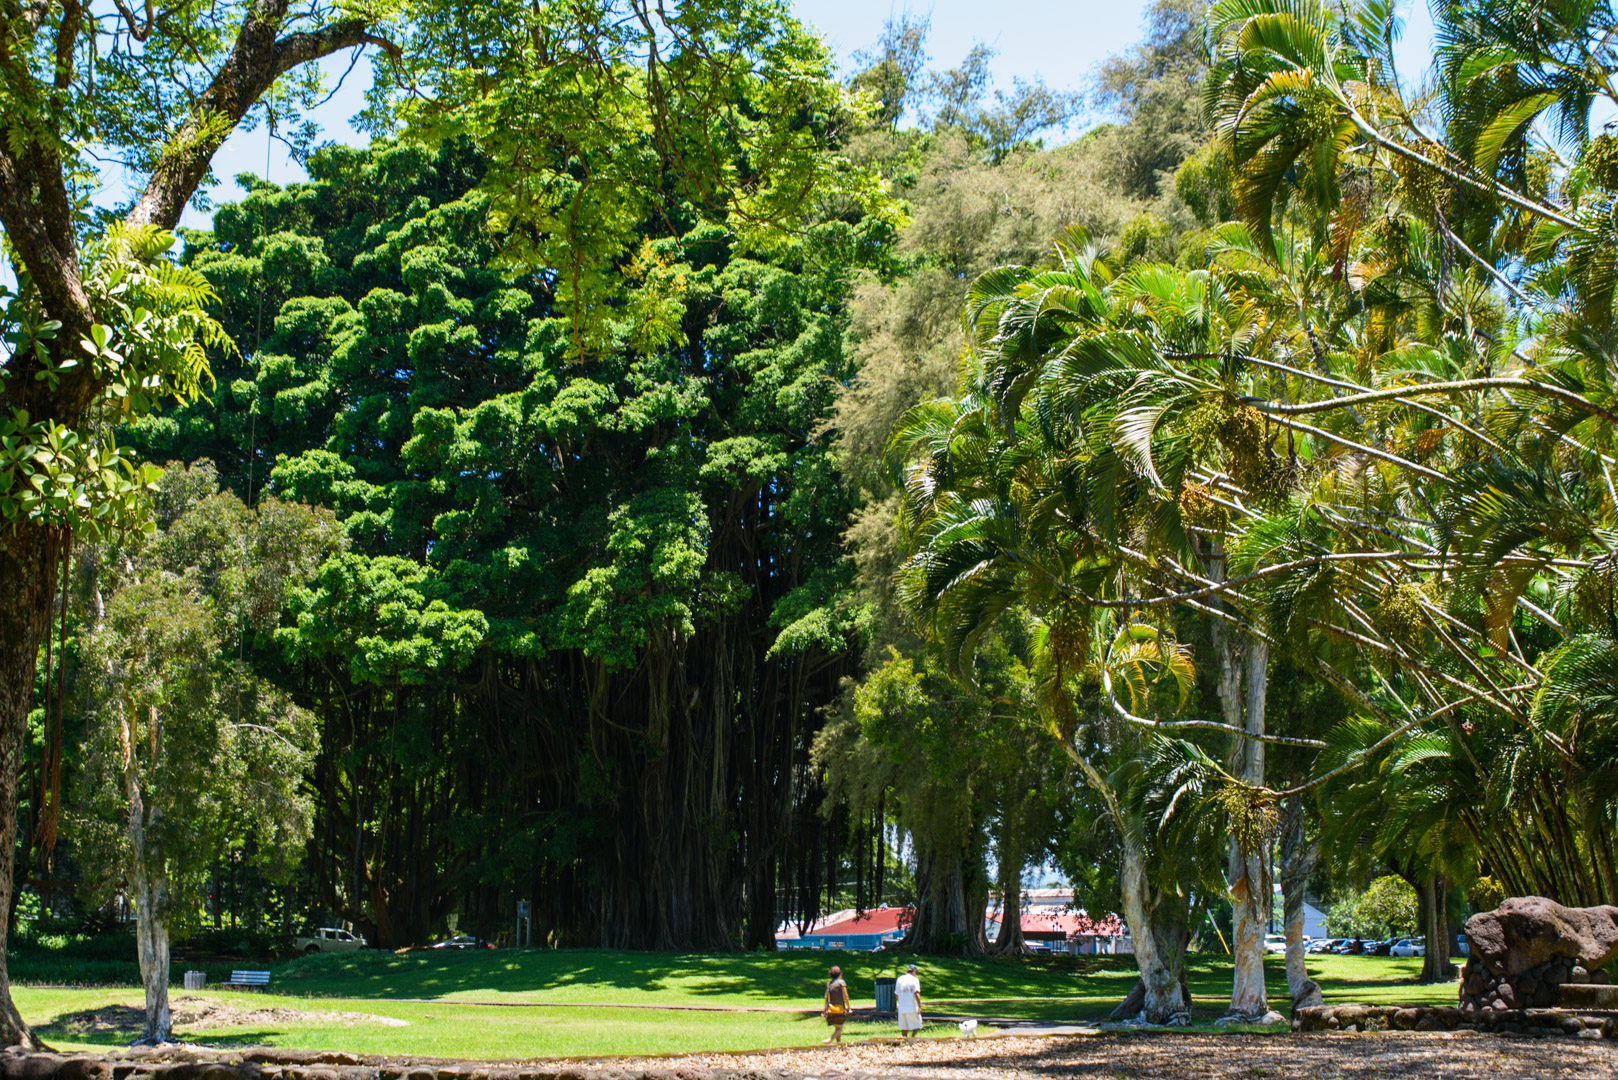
[907, 992]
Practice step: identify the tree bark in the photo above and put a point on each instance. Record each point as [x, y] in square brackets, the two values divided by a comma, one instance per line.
[1010, 857]
[1298, 857]
[945, 923]
[1435, 964]
[1251, 894]
[152, 943]
[148, 886]
[1010, 939]
[1159, 941]
[28, 570]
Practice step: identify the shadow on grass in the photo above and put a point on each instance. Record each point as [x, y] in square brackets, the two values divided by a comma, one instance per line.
[747, 978]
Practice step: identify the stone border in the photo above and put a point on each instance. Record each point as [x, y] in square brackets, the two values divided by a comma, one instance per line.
[1536, 1022]
[176, 1063]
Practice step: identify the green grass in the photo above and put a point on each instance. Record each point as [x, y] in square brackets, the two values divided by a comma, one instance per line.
[1360, 979]
[1065, 988]
[469, 1004]
[447, 1029]
[624, 978]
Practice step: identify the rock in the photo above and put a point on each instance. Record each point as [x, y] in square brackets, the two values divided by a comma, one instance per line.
[1308, 996]
[1498, 1006]
[1571, 1025]
[1589, 1033]
[1589, 996]
[84, 1068]
[1351, 1015]
[1429, 1023]
[1405, 1019]
[1527, 931]
[29, 1066]
[1273, 1017]
[1507, 995]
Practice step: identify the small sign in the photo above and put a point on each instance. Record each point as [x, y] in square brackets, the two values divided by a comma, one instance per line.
[522, 909]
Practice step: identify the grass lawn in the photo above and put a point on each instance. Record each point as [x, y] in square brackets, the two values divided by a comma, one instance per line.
[1064, 988]
[435, 1029]
[1363, 979]
[470, 1004]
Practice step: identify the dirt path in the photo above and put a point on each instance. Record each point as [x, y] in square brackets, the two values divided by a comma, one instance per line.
[1391, 1056]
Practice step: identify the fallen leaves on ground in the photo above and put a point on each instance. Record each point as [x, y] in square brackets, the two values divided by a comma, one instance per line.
[1159, 1056]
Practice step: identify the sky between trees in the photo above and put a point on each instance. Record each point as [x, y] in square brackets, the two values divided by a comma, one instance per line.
[1071, 42]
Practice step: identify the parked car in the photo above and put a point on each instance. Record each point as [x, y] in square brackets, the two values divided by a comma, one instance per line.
[462, 941]
[328, 939]
[1275, 943]
[1460, 948]
[1408, 947]
[1323, 945]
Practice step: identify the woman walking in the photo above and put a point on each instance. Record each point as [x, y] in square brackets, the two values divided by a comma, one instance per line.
[836, 1004]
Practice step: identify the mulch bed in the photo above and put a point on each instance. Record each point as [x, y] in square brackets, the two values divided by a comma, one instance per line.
[1159, 1056]
[1167, 1056]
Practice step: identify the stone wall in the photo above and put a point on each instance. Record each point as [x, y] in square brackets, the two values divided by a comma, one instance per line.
[1539, 987]
[1537, 1022]
[176, 1063]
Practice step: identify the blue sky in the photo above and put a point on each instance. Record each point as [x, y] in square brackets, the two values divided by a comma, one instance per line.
[1060, 41]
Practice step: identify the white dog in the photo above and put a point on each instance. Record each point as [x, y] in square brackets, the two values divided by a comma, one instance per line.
[969, 1028]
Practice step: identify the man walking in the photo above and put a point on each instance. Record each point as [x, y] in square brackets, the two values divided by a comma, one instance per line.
[907, 994]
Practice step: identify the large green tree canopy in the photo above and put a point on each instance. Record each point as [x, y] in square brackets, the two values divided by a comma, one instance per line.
[616, 577]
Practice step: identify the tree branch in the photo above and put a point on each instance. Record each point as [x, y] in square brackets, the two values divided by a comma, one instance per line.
[257, 59]
[1456, 386]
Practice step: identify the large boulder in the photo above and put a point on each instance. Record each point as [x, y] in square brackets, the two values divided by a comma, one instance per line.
[1528, 932]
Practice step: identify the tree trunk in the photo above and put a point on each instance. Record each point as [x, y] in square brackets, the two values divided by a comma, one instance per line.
[1298, 858]
[1251, 895]
[1009, 854]
[1435, 964]
[148, 886]
[28, 570]
[942, 914]
[152, 942]
[1010, 939]
[1159, 946]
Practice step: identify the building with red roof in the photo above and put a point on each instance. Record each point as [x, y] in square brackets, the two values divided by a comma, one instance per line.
[867, 930]
[1068, 931]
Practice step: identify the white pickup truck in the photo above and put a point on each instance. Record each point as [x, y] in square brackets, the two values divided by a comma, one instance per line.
[328, 939]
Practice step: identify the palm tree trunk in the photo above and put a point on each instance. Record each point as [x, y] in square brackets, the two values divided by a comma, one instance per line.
[1159, 949]
[1435, 965]
[1251, 895]
[1298, 858]
[1164, 997]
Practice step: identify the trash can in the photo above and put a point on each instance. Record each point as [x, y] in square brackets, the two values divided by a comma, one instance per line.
[885, 999]
[195, 979]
